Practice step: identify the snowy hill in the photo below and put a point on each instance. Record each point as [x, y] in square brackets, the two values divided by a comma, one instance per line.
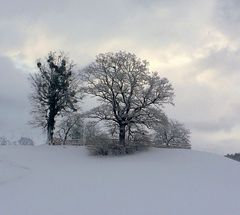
[47, 180]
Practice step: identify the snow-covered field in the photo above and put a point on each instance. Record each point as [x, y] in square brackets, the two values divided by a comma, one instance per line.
[43, 180]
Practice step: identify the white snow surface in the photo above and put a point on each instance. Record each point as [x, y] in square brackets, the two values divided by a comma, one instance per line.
[56, 180]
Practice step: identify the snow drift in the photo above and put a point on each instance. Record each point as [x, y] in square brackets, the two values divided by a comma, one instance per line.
[43, 180]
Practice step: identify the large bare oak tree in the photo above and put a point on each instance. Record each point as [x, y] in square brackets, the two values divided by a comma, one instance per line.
[129, 94]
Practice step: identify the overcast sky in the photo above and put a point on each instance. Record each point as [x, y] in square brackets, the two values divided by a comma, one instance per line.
[195, 44]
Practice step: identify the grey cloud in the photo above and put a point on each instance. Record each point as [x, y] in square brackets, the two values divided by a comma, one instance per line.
[168, 23]
[11, 36]
[156, 23]
[13, 82]
[219, 105]
[28, 9]
[14, 104]
[225, 123]
[225, 61]
[227, 17]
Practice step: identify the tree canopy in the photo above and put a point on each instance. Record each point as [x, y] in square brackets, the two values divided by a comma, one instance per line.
[129, 94]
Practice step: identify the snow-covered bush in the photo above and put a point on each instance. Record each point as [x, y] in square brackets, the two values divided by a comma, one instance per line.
[4, 141]
[25, 141]
[102, 146]
[99, 142]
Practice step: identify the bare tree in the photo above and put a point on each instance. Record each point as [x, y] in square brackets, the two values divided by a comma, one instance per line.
[4, 141]
[54, 91]
[172, 134]
[129, 94]
[25, 141]
[71, 126]
[94, 134]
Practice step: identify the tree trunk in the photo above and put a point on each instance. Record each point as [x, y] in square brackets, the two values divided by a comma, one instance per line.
[50, 128]
[122, 134]
[166, 139]
[66, 136]
[50, 136]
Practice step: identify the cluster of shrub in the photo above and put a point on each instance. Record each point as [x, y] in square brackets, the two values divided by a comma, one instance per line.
[22, 141]
[99, 140]
[235, 156]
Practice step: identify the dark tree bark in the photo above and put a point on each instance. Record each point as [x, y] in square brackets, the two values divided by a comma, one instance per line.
[50, 127]
[122, 134]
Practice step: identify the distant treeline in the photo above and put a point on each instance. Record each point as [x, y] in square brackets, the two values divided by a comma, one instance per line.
[235, 156]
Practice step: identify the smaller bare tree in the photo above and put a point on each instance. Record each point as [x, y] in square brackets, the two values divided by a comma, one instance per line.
[25, 141]
[71, 126]
[172, 134]
[4, 141]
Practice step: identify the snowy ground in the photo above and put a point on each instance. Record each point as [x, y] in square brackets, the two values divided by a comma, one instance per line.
[43, 180]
